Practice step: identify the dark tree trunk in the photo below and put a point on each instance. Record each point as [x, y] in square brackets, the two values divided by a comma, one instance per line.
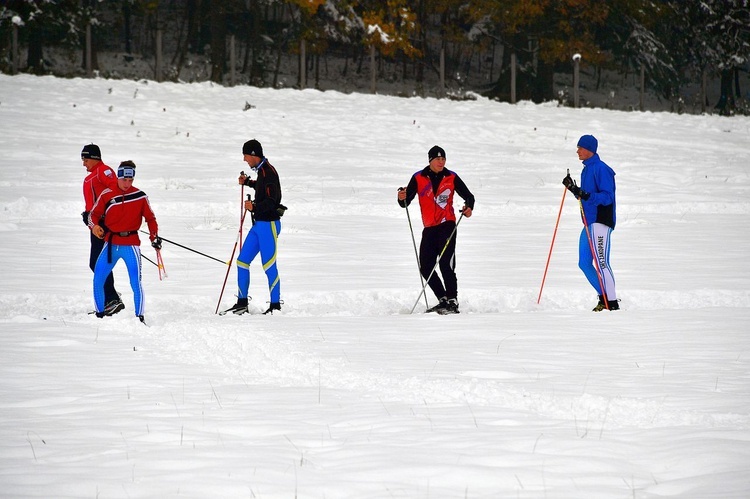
[203, 32]
[35, 56]
[90, 6]
[218, 40]
[192, 10]
[255, 43]
[543, 85]
[422, 20]
[537, 86]
[94, 58]
[737, 90]
[726, 100]
[126, 14]
[501, 89]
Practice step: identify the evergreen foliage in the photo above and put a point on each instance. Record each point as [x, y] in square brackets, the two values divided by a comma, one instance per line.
[674, 41]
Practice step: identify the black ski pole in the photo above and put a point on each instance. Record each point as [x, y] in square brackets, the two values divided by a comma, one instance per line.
[416, 253]
[189, 249]
[447, 242]
[148, 259]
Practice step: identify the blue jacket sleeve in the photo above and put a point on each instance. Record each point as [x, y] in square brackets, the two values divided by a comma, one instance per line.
[604, 186]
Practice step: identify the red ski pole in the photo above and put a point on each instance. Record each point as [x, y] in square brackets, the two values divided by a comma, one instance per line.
[231, 259]
[544, 277]
[160, 266]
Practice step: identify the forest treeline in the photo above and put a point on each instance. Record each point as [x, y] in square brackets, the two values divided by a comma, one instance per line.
[464, 44]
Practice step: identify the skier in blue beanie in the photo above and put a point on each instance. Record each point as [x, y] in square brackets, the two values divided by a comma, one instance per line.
[597, 196]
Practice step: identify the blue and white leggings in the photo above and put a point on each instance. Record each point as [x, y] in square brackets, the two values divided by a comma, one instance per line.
[263, 239]
[600, 235]
[131, 255]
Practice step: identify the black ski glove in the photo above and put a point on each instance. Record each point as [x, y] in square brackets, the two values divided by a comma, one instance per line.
[570, 184]
[578, 192]
[85, 216]
[156, 243]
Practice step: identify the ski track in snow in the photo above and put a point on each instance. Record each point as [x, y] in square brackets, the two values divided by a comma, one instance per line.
[248, 348]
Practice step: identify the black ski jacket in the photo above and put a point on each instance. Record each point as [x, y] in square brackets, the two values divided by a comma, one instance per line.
[267, 193]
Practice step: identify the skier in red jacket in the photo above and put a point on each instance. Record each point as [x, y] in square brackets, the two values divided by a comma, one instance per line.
[115, 218]
[435, 186]
[100, 177]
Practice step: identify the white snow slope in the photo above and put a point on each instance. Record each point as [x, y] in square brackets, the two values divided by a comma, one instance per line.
[344, 394]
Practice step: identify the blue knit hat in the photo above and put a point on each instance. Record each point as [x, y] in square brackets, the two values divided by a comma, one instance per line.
[588, 142]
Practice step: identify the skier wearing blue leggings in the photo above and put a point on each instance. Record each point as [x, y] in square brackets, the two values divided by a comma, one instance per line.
[116, 218]
[597, 196]
[266, 211]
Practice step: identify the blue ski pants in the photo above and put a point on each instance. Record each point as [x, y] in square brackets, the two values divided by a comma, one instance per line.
[131, 255]
[262, 238]
[110, 293]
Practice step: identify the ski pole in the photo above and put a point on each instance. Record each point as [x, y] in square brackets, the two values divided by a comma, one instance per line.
[595, 255]
[190, 249]
[148, 259]
[544, 277]
[427, 281]
[416, 253]
[242, 221]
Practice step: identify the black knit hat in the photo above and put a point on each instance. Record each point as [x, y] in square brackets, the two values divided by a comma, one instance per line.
[91, 151]
[126, 169]
[253, 148]
[436, 152]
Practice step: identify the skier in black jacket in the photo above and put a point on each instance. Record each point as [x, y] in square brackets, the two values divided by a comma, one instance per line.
[266, 210]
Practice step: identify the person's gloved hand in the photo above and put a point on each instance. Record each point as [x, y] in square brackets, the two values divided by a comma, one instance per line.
[156, 243]
[245, 180]
[578, 192]
[570, 184]
[85, 216]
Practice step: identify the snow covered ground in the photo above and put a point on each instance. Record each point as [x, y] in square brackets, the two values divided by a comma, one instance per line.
[344, 394]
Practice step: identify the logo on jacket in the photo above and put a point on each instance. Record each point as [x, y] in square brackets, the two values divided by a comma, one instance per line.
[442, 198]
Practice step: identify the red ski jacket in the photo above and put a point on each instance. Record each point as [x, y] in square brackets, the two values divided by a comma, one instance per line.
[122, 213]
[100, 178]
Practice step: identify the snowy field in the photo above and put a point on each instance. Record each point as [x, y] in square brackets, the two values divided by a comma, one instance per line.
[344, 394]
